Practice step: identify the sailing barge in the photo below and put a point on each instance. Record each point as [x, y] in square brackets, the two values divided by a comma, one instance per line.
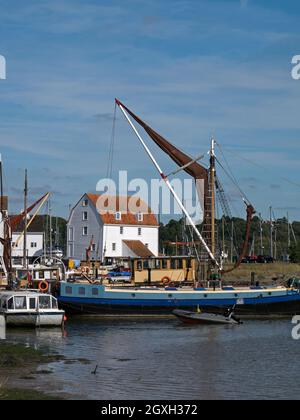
[89, 298]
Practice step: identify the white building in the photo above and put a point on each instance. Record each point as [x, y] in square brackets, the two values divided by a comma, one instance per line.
[35, 241]
[119, 233]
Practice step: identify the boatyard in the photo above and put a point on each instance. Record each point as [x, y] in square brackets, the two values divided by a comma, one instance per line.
[149, 216]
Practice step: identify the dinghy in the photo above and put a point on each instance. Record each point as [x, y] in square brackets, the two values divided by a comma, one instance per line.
[207, 318]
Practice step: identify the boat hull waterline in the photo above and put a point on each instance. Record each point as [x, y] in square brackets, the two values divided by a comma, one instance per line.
[81, 299]
[35, 320]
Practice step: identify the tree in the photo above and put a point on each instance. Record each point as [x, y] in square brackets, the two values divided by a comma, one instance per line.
[295, 254]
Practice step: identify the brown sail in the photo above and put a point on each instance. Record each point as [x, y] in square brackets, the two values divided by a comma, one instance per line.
[15, 220]
[197, 171]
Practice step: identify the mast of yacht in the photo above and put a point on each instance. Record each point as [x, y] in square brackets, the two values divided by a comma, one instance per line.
[166, 180]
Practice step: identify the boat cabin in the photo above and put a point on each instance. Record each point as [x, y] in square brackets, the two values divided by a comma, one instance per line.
[24, 301]
[30, 309]
[164, 270]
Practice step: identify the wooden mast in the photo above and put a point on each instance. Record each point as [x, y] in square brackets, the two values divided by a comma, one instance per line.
[25, 265]
[212, 189]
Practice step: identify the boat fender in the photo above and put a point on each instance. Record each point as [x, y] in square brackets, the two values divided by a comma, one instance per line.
[166, 280]
[43, 286]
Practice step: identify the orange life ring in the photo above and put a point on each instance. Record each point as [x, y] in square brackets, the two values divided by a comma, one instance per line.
[166, 280]
[43, 286]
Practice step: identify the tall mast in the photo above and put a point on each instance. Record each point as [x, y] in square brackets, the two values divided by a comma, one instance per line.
[271, 234]
[212, 190]
[25, 263]
[289, 232]
[262, 250]
[1, 185]
[165, 178]
[50, 228]
[231, 247]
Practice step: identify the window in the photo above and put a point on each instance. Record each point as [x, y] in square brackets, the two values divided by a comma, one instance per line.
[95, 292]
[140, 217]
[69, 290]
[85, 231]
[71, 234]
[33, 245]
[20, 302]
[179, 264]
[121, 230]
[32, 303]
[85, 216]
[94, 248]
[114, 247]
[44, 302]
[54, 303]
[118, 216]
[71, 250]
[81, 291]
[140, 231]
[85, 203]
[10, 303]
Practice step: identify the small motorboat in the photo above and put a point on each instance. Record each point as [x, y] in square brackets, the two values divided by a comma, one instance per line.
[207, 318]
[30, 309]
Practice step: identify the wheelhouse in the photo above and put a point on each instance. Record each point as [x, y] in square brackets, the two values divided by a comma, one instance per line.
[25, 302]
[155, 270]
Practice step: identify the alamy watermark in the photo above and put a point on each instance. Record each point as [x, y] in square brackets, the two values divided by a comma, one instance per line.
[138, 196]
[2, 67]
[296, 329]
[296, 68]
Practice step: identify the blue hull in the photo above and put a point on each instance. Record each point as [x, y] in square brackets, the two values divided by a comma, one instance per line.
[260, 303]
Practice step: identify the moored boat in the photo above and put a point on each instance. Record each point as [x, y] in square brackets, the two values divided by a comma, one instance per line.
[188, 317]
[30, 309]
[85, 298]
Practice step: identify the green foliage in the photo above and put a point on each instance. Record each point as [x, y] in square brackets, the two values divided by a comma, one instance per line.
[295, 254]
[174, 232]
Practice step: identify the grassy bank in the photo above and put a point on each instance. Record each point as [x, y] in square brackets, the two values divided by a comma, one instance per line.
[18, 360]
[277, 273]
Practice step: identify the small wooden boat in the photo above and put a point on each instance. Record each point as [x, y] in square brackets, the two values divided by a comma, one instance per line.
[206, 318]
[30, 309]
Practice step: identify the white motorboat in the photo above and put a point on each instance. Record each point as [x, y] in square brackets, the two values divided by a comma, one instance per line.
[30, 309]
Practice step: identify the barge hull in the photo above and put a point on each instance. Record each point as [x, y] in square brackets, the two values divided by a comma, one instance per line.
[283, 309]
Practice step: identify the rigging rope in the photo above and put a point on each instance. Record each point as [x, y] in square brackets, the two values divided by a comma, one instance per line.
[289, 181]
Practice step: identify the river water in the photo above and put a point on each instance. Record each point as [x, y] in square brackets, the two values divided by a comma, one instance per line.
[166, 360]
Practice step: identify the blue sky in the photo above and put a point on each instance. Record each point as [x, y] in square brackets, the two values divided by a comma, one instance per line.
[191, 68]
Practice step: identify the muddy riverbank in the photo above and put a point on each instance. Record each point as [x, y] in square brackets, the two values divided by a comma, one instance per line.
[21, 363]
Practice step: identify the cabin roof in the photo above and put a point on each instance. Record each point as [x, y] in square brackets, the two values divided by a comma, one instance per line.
[20, 293]
[139, 249]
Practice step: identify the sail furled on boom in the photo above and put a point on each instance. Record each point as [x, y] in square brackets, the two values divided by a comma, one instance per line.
[197, 171]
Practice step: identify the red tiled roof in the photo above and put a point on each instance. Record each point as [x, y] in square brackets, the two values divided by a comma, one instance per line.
[139, 249]
[122, 204]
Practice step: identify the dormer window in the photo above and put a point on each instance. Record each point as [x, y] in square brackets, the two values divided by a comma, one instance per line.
[140, 217]
[118, 216]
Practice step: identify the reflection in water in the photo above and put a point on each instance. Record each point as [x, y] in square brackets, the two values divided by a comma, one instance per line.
[165, 360]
